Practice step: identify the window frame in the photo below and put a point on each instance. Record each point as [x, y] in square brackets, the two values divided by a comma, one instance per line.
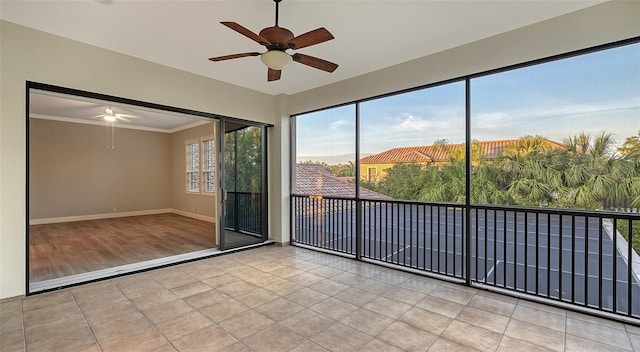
[189, 169]
[200, 154]
[203, 163]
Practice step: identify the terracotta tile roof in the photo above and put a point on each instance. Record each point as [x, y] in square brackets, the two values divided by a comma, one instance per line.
[439, 153]
[313, 179]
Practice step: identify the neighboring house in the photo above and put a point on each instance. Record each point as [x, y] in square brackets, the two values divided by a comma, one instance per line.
[372, 167]
[313, 179]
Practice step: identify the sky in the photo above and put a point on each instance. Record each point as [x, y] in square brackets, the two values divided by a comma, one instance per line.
[589, 93]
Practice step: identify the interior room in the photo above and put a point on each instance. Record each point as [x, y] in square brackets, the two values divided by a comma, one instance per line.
[211, 60]
[105, 194]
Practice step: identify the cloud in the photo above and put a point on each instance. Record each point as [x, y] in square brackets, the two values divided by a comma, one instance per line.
[412, 123]
[560, 121]
[336, 125]
[439, 121]
[492, 120]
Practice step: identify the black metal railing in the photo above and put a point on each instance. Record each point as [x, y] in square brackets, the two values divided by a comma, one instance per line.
[581, 258]
[415, 235]
[327, 223]
[243, 213]
[576, 257]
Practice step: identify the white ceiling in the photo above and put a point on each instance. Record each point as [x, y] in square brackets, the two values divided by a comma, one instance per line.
[370, 35]
[67, 108]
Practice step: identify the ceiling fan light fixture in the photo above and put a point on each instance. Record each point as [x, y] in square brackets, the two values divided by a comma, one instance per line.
[110, 118]
[276, 59]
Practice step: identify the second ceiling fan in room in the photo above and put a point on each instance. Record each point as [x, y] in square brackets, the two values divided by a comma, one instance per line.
[278, 40]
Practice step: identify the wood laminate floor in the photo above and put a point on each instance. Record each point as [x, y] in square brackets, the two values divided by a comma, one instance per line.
[63, 249]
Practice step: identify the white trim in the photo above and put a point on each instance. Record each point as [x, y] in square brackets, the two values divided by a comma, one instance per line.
[98, 216]
[121, 215]
[191, 125]
[194, 215]
[202, 120]
[98, 122]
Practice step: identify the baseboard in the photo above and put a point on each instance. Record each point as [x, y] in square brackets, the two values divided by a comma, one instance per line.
[194, 215]
[98, 216]
[120, 215]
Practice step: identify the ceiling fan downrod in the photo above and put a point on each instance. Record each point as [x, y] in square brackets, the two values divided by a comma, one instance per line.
[277, 5]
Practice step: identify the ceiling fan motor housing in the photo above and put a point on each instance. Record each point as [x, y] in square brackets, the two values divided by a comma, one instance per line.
[277, 36]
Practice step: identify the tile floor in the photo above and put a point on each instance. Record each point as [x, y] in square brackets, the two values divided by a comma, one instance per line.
[293, 299]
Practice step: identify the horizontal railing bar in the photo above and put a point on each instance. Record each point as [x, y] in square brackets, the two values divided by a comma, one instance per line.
[539, 210]
[390, 201]
[558, 303]
[561, 211]
[323, 250]
[429, 274]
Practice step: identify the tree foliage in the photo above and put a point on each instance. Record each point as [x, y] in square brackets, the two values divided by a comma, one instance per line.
[631, 145]
[243, 160]
[587, 173]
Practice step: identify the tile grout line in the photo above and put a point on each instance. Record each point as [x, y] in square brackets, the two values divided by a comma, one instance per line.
[566, 322]
[144, 315]
[503, 334]
[24, 330]
[170, 342]
[93, 335]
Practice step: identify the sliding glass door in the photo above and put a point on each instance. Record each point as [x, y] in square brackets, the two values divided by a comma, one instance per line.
[244, 185]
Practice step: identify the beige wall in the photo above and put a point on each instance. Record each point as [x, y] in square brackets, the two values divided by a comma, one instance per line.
[180, 200]
[31, 55]
[74, 171]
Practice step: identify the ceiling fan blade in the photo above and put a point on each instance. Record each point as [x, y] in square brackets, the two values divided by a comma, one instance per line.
[233, 56]
[247, 33]
[314, 37]
[95, 117]
[273, 75]
[315, 62]
[125, 115]
[119, 117]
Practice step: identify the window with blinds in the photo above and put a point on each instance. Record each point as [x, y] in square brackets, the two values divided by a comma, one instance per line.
[193, 166]
[208, 166]
[201, 165]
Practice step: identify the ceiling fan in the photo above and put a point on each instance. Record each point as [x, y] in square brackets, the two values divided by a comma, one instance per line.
[110, 116]
[278, 40]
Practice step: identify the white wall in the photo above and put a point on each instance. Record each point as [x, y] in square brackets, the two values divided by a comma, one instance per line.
[27, 54]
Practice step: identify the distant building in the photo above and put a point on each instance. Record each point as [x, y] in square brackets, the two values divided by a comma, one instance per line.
[373, 167]
[313, 179]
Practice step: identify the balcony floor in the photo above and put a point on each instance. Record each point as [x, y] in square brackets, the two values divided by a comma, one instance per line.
[294, 299]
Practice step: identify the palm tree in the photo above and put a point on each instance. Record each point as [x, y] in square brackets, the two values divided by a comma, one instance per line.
[528, 171]
[594, 173]
[630, 145]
